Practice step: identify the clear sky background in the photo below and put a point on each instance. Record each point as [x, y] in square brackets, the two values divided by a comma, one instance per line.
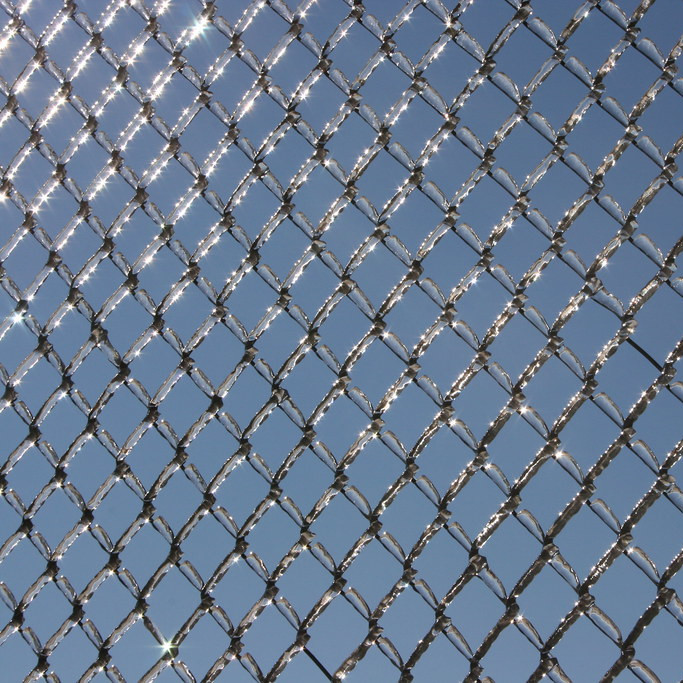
[321, 327]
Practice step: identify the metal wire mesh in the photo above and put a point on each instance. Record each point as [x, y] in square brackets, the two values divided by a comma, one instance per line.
[177, 368]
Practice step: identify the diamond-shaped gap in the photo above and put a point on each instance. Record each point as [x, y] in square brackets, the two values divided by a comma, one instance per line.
[207, 44]
[218, 353]
[515, 446]
[441, 562]
[288, 156]
[224, 257]
[515, 346]
[202, 136]
[317, 195]
[22, 567]
[297, 64]
[118, 510]
[14, 431]
[14, 60]
[264, 32]
[376, 370]
[241, 493]
[304, 583]
[11, 355]
[147, 64]
[25, 261]
[630, 177]
[381, 180]
[30, 474]
[47, 611]
[68, 660]
[484, 207]
[584, 540]
[344, 327]
[654, 333]
[521, 152]
[594, 40]
[445, 359]
[414, 220]
[558, 96]
[136, 651]
[154, 364]
[339, 526]
[98, 286]
[625, 376]
[378, 274]
[177, 500]
[172, 602]
[247, 396]
[283, 248]
[659, 646]
[546, 614]
[474, 504]
[475, 610]
[313, 287]
[134, 235]
[385, 86]
[170, 187]
[149, 457]
[158, 274]
[323, 101]
[188, 312]
[36, 93]
[450, 166]
[536, 498]
[621, 579]
[349, 142]
[450, 72]
[630, 79]
[275, 438]
[485, 111]
[595, 136]
[254, 211]
[273, 537]
[210, 449]
[336, 633]
[602, 325]
[126, 27]
[122, 413]
[109, 605]
[551, 389]
[144, 553]
[510, 552]
[94, 374]
[418, 33]
[232, 83]
[659, 425]
[17, 658]
[207, 545]
[124, 325]
[443, 459]
[306, 481]
[90, 158]
[279, 340]
[441, 661]
[406, 621]
[354, 50]
[660, 25]
[555, 193]
[238, 590]
[484, 23]
[511, 655]
[143, 149]
[552, 290]
[589, 232]
[49, 298]
[56, 517]
[89, 467]
[598, 652]
[205, 643]
[268, 637]
[260, 118]
[522, 56]
[84, 558]
[408, 516]
[480, 403]
[37, 385]
[374, 470]
[482, 303]
[410, 414]
[654, 535]
[658, 119]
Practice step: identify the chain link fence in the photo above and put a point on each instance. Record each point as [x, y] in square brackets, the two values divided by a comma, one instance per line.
[340, 339]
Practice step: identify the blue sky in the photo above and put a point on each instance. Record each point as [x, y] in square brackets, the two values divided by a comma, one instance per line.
[327, 328]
